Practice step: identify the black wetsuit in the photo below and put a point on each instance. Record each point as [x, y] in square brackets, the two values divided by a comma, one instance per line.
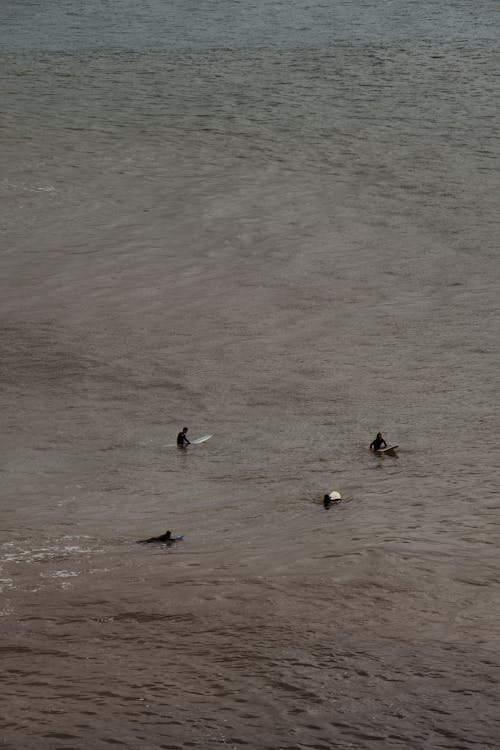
[327, 501]
[162, 538]
[182, 440]
[377, 444]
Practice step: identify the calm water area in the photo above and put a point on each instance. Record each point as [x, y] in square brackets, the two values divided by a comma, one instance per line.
[276, 223]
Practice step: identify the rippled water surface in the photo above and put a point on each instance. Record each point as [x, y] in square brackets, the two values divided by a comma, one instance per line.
[276, 223]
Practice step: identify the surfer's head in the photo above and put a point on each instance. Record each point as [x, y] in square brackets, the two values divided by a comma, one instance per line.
[184, 429]
[379, 435]
[168, 534]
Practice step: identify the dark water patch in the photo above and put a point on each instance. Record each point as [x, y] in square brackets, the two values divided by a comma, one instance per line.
[30, 357]
[20, 650]
[296, 689]
[144, 617]
[469, 582]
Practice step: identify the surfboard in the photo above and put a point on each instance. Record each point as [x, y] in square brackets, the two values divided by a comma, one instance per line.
[157, 540]
[201, 439]
[192, 442]
[388, 451]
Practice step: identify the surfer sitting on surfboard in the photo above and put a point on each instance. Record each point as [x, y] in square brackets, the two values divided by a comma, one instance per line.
[182, 438]
[378, 443]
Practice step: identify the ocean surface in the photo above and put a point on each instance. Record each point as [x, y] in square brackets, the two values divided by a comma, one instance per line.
[277, 223]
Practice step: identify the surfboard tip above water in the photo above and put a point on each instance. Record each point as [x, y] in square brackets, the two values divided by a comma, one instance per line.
[201, 439]
[388, 451]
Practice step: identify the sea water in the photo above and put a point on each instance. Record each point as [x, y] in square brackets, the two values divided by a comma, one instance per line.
[277, 223]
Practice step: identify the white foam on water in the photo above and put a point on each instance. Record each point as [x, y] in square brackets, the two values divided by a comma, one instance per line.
[60, 574]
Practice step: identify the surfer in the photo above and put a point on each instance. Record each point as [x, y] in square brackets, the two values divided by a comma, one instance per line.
[166, 537]
[378, 443]
[329, 500]
[182, 440]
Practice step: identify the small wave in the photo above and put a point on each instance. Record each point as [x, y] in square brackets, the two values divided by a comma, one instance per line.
[60, 574]
[7, 610]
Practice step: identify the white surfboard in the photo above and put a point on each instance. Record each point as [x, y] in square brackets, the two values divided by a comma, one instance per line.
[335, 496]
[201, 439]
[388, 451]
[192, 442]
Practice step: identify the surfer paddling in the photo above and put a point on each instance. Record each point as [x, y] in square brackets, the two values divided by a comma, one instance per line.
[378, 443]
[166, 537]
[182, 440]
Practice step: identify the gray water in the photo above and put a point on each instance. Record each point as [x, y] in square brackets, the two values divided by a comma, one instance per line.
[276, 223]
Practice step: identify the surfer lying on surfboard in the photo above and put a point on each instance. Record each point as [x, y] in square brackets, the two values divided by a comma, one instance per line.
[166, 537]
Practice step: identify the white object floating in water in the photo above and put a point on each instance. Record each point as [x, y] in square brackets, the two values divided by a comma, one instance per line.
[334, 496]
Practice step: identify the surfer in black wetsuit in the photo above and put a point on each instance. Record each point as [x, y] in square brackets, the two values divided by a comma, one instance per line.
[378, 443]
[182, 440]
[328, 500]
[166, 537]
